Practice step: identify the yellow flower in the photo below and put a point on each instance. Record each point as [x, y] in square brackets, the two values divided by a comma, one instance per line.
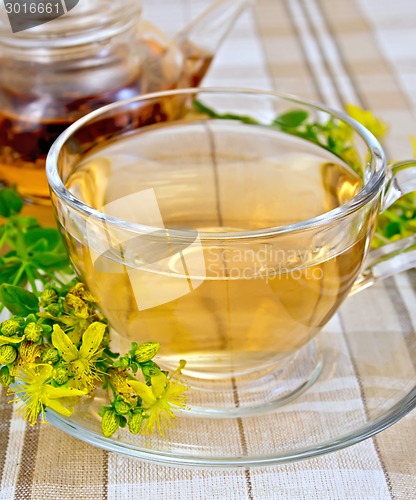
[159, 400]
[366, 118]
[10, 340]
[81, 362]
[340, 132]
[77, 306]
[118, 381]
[32, 389]
[79, 291]
[28, 353]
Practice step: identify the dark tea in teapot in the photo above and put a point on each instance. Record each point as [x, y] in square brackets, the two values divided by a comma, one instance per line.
[100, 52]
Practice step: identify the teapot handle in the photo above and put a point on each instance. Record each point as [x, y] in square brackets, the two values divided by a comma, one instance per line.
[400, 255]
[207, 31]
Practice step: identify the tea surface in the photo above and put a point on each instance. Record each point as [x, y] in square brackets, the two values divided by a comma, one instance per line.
[226, 306]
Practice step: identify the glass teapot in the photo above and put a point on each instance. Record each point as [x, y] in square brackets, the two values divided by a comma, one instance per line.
[98, 52]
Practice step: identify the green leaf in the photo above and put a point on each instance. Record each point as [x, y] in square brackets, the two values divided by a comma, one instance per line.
[122, 362]
[204, 109]
[26, 222]
[47, 329]
[241, 118]
[311, 133]
[10, 202]
[49, 237]
[50, 261]
[133, 366]
[40, 246]
[134, 346]
[17, 300]
[224, 116]
[391, 229]
[31, 318]
[332, 144]
[111, 354]
[46, 249]
[9, 269]
[291, 119]
[150, 369]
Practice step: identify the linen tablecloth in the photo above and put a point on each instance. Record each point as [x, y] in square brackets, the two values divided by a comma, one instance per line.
[337, 52]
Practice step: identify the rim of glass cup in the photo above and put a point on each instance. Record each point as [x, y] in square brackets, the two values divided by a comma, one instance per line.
[371, 189]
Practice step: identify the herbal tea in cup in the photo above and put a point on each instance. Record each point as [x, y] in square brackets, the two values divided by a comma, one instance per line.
[230, 230]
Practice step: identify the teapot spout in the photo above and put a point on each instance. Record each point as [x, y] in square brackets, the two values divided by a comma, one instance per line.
[202, 37]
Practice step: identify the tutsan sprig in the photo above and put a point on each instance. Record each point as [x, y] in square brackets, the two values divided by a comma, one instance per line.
[55, 348]
[30, 255]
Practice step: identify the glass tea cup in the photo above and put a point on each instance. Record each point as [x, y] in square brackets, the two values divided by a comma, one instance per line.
[228, 225]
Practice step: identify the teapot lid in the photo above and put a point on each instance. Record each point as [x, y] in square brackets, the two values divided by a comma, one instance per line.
[56, 23]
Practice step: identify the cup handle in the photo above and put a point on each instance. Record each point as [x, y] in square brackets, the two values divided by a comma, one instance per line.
[399, 256]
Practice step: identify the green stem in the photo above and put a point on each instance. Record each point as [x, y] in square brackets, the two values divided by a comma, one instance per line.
[113, 390]
[31, 279]
[404, 206]
[19, 274]
[20, 246]
[391, 216]
[380, 237]
[53, 277]
[3, 238]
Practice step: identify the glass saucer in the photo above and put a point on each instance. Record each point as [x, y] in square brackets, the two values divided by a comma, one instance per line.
[363, 381]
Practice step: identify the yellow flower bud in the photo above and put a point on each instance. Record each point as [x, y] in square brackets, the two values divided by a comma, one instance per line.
[150, 369]
[50, 356]
[7, 354]
[9, 327]
[5, 378]
[109, 423]
[121, 407]
[79, 291]
[74, 304]
[33, 332]
[48, 296]
[146, 351]
[60, 375]
[136, 422]
[13, 369]
[54, 309]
